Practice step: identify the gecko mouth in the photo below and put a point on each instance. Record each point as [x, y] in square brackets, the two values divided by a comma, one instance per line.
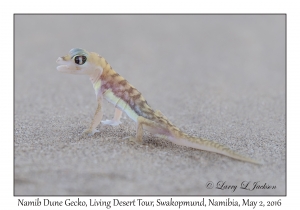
[61, 67]
[66, 68]
[69, 67]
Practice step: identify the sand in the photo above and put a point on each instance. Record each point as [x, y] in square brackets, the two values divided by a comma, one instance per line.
[214, 76]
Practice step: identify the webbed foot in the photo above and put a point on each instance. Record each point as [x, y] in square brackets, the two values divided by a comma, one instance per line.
[111, 122]
[89, 132]
[133, 139]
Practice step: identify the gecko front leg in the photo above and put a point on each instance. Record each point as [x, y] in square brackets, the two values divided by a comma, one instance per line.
[116, 121]
[96, 120]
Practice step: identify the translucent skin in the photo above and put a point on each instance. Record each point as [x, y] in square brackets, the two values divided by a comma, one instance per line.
[109, 85]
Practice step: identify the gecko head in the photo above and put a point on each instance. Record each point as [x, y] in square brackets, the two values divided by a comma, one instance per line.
[77, 61]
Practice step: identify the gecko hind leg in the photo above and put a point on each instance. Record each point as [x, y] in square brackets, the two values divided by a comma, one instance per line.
[149, 125]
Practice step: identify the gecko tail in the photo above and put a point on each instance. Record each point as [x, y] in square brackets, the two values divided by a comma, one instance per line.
[208, 145]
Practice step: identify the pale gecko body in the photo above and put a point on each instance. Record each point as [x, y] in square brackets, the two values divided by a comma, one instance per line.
[109, 85]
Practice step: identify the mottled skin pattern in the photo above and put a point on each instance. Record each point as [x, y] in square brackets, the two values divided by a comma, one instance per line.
[109, 85]
[122, 89]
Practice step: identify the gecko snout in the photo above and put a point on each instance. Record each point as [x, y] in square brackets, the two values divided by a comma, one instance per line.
[58, 60]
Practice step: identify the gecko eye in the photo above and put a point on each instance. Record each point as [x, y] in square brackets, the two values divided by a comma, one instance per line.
[80, 59]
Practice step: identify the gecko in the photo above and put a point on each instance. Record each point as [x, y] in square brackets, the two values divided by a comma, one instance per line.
[111, 86]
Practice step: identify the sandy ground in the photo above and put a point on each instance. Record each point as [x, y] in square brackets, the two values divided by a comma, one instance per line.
[217, 77]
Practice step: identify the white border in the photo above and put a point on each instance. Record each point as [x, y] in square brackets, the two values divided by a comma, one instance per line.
[153, 6]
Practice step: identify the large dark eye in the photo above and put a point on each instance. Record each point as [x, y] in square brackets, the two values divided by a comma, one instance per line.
[80, 59]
